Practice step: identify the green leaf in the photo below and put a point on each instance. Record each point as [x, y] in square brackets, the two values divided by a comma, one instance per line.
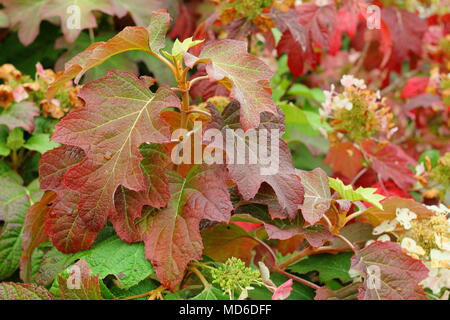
[307, 121]
[144, 286]
[432, 154]
[360, 194]
[15, 200]
[4, 149]
[210, 293]
[329, 266]
[15, 139]
[181, 47]
[7, 172]
[301, 90]
[124, 261]
[40, 143]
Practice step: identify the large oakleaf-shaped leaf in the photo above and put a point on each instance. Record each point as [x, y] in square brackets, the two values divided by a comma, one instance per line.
[131, 38]
[121, 113]
[249, 176]
[171, 235]
[389, 273]
[244, 74]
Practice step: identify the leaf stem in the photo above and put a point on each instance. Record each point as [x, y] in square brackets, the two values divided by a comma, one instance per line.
[195, 80]
[199, 275]
[340, 236]
[298, 279]
[153, 294]
[269, 249]
[163, 60]
[15, 160]
[305, 252]
[353, 216]
[199, 111]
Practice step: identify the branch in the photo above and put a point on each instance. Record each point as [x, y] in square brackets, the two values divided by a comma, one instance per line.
[298, 279]
[195, 80]
[347, 242]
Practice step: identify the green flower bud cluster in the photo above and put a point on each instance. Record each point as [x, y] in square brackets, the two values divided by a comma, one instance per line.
[234, 276]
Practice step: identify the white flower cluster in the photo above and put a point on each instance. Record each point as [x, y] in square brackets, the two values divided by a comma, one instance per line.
[437, 259]
[335, 101]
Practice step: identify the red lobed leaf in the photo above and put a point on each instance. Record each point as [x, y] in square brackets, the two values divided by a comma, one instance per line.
[245, 75]
[390, 162]
[149, 39]
[121, 113]
[407, 30]
[171, 235]
[394, 274]
[248, 177]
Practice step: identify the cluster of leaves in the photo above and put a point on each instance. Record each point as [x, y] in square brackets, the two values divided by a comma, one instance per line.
[113, 213]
